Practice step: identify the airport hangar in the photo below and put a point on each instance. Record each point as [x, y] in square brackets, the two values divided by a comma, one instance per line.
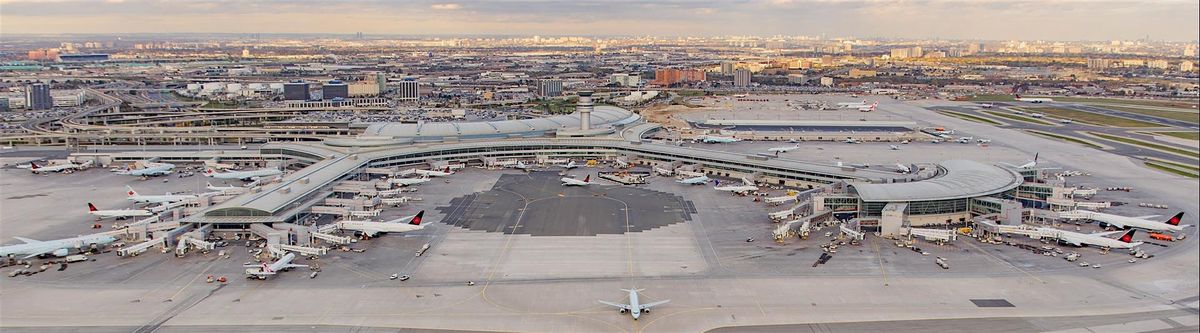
[942, 193]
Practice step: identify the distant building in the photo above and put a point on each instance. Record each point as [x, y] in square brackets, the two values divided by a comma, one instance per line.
[83, 57]
[4, 104]
[727, 67]
[856, 73]
[335, 89]
[827, 81]
[245, 53]
[37, 96]
[550, 87]
[1186, 66]
[796, 78]
[295, 91]
[900, 53]
[43, 55]
[668, 76]
[1099, 63]
[741, 78]
[1158, 64]
[408, 90]
[625, 80]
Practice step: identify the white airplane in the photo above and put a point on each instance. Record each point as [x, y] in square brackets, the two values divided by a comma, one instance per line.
[371, 228]
[54, 168]
[151, 169]
[1028, 165]
[901, 168]
[243, 175]
[408, 181]
[570, 165]
[587, 180]
[893, 147]
[1097, 239]
[59, 248]
[851, 140]
[212, 163]
[521, 166]
[986, 105]
[119, 214]
[1139, 222]
[746, 187]
[264, 270]
[783, 149]
[854, 105]
[868, 108]
[209, 186]
[717, 139]
[434, 173]
[634, 308]
[1031, 99]
[155, 199]
[701, 180]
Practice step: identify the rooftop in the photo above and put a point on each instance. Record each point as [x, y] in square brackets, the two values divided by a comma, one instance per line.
[957, 179]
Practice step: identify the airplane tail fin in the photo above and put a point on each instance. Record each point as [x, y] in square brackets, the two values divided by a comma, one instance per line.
[91, 207]
[417, 219]
[130, 191]
[209, 171]
[587, 179]
[1035, 157]
[447, 170]
[33, 166]
[633, 290]
[1128, 236]
[1175, 219]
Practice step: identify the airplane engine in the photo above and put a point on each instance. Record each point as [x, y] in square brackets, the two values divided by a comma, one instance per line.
[61, 252]
[647, 310]
[621, 310]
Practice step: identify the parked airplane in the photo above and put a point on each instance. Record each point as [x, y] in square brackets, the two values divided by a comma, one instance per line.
[854, 105]
[1098, 239]
[212, 163]
[434, 173]
[59, 248]
[119, 214]
[408, 181]
[634, 308]
[901, 168]
[868, 108]
[1139, 222]
[243, 175]
[893, 147]
[138, 198]
[570, 165]
[56, 168]
[371, 228]
[1032, 99]
[521, 166]
[783, 149]
[587, 180]
[151, 169]
[1028, 165]
[264, 270]
[209, 186]
[701, 180]
[986, 105]
[746, 187]
[717, 139]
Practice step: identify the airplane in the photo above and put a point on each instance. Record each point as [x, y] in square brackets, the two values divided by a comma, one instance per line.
[408, 181]
[854, 105]
[1031, 99]
[120, 214]
[987, 105]
[53, 168]
[58, 248]
[851, 140]
[570, 165]
[264, 270]
[243, 175]
[434, 173]
[893, 147]
[717, 139]
[371, 229]
[746, 187]
[1028, 165]
[167, 198]
[212, 163]
[587, 180]
[151, 169]
[868, 108]
[701, 180]
[901, 168]
[520, 166]
[783, 149]
[1097, 239]
[209, 186]
[1140, 222]
[634, 308]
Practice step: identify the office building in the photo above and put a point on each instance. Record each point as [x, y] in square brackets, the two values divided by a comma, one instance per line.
[727, 67]
[625, 80]
[741, 78]
[295, 91]
[408, 90]
[1099, 63]
[335, 89]
[550, 87]
[1186, 66]
[37, 96]
[827, 81]
[1158, 64]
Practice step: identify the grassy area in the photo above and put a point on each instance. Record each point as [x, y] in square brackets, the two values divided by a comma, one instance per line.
[968, 117]
[1163, 167]
[1145, 144]
[1066, 138]
[1092, 118]
[220, 105]
[1019, 118]
[556, 106]
[1184, 115]
[991, 98]
[690, 93]
[1193, 168]
[1145, 102]
[1194, 136]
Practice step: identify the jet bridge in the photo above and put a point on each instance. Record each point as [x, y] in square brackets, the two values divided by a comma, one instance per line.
[851, 232]
[933, 234]
[135, 250]
[332, 239]
[781, 200]
[279, 249]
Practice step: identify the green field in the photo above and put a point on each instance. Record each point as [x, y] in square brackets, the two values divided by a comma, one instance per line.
[1145, 144]
[1066, 138]
[1194, 136]
[1146, 102]
[968, 117]
[1163, 167]
[1018, 118]
[1188, 116]
[991, 98]
[1092, 118]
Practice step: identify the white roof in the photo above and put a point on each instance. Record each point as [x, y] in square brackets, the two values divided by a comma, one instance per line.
[601, 116]
[957, 179]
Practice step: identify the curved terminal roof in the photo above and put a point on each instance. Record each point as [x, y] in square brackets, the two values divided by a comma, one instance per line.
[601, 116]
[959, 179]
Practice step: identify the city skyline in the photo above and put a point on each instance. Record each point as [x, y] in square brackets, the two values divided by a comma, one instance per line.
[979, 20]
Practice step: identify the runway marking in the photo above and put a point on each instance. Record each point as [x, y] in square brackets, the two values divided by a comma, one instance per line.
[1005, 262]
[875, 246]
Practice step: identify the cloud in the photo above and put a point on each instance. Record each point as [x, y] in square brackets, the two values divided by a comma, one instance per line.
[446, 6]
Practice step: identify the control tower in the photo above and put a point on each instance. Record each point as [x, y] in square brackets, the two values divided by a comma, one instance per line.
[585, 107]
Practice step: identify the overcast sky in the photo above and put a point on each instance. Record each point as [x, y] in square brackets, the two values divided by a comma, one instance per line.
[952, 19]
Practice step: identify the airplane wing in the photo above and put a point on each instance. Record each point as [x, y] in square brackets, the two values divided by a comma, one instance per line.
[27, 240]
[649, 305]
[622, 306]
[40, 252]
[1106, 233]
[1146, 217]
[294, 266]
